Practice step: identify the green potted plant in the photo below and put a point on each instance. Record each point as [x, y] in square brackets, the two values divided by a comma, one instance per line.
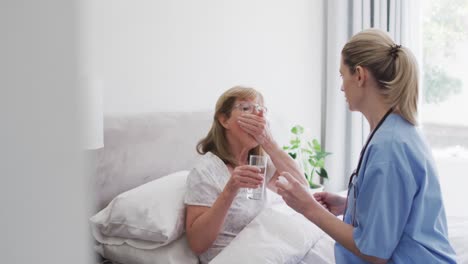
[310, 156]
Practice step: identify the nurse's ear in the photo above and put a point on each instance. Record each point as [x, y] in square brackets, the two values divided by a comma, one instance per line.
[361, 75]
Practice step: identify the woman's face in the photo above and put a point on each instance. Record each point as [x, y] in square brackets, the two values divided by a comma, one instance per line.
[350, 87]
[234, 133]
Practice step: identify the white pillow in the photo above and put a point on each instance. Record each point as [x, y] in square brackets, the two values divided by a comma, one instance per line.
[276, 235]
[322, 252]
[177, 252]
[146, 217]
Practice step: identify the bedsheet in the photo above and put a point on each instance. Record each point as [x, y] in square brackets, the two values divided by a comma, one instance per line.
[320, 252]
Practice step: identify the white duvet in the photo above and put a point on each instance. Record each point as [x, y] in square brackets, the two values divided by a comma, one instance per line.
[276, 235]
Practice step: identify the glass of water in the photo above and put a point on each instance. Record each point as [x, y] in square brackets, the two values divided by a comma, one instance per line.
[261, 163]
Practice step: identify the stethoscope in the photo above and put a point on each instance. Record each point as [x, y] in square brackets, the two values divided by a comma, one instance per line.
[353, 177]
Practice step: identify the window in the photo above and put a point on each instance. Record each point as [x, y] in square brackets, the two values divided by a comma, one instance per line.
[444, 112]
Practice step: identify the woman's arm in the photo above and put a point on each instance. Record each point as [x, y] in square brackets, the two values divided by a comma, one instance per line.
[257, 126]
[299, 198]
[283, 162]
[203, 223]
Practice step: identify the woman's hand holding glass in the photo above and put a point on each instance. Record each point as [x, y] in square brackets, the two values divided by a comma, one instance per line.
[332, 202]
[244, 176]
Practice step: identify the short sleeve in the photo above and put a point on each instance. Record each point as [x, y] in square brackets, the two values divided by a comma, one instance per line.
[384, 203]
[201, 189]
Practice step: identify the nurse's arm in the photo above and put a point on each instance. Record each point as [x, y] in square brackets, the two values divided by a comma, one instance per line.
[340, 231]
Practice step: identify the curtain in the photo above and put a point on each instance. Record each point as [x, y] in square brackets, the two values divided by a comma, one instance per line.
[344, 132]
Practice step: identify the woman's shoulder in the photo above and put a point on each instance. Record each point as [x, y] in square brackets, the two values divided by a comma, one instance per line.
[397, 123]
[208, 169]
[207, 159]
[209, 163]
[401, 141]
[396, 131]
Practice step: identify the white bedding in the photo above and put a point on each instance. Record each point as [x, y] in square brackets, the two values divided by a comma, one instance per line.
[458, 236]
[176, 252]
[277, 235]
[272, 237]
[322, 252]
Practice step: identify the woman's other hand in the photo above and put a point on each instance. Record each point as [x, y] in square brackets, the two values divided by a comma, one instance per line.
[332, 202]
[244, 176]
[257, 126]
[295, 194]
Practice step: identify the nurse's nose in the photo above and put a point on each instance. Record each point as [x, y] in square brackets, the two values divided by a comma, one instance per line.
[342, 89]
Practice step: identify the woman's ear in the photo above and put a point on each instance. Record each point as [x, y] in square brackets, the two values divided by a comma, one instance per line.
[223, 120]
[361, 75]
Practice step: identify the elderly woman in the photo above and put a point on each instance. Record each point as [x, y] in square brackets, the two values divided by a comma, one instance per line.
[217, 208]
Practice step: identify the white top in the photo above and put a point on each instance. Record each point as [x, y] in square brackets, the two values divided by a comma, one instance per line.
[205, 183]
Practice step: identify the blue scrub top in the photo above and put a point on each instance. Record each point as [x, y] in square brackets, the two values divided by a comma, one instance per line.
[398, 212]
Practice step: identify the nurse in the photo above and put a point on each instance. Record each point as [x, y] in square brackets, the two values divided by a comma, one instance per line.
[393, 212]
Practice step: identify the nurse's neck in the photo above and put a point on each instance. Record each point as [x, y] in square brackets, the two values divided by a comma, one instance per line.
[374, 111]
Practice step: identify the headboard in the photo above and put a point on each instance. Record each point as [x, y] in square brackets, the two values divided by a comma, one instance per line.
[139, 148]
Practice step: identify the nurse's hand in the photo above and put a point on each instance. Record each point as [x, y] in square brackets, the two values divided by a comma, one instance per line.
[295, 194]
[332, 202]
[257, 126]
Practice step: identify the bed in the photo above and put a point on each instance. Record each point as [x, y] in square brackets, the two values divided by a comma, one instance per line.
[138, 188]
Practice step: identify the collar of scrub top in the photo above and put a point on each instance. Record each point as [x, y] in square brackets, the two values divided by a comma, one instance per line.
[352, 178]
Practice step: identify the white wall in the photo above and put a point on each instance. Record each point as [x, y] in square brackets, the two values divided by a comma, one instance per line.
[180, 55]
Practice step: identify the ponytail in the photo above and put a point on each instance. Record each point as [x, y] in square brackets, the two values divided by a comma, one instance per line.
[393, 67]
[404, 89]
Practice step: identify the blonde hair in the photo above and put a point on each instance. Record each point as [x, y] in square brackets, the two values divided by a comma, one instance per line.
[216, 141]
[394, 68]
